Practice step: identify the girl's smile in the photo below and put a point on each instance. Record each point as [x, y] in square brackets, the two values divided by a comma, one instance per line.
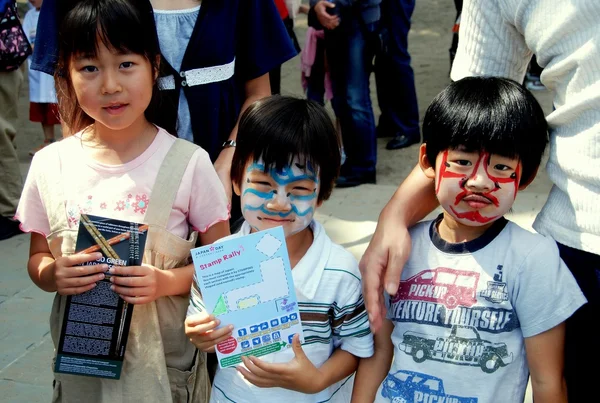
[115, 109]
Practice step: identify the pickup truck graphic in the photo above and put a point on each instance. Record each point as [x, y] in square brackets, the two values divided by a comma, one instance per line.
[443, 285]
[413, 387]
[463, 346]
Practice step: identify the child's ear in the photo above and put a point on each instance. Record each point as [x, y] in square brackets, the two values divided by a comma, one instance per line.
[523, 186]
[236, 188]
[426, 167]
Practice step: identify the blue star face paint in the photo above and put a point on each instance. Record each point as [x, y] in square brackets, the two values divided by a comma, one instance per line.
[286, 197]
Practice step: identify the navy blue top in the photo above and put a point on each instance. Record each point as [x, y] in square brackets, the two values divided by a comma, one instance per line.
[4, 4]
[45, 51]
[251, 31]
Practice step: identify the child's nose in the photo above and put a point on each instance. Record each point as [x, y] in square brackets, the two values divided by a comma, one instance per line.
[480, 180]
[110, 84]
[279, 202]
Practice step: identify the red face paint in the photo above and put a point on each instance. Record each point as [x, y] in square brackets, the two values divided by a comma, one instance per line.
[456, 181]
[444, 173]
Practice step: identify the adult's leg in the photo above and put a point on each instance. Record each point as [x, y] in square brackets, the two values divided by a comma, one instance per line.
[395, 77]
[581, 354]
[315, 91]
[350, 60]
[11, 184]
[275, 80]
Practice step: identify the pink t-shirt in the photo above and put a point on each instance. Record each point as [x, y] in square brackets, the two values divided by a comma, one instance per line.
[122, 191]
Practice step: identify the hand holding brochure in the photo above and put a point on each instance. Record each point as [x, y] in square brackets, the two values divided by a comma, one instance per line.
[96, 323]
[247, 281]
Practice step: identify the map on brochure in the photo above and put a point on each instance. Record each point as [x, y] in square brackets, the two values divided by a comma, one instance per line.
[247, 282]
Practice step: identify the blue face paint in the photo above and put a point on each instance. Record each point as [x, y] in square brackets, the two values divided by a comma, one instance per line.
[288, 174]
[285, 197]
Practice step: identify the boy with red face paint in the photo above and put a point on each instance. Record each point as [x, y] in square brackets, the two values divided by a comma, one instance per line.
[482, 302]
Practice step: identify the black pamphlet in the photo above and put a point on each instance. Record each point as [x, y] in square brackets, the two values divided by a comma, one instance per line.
[96, 323]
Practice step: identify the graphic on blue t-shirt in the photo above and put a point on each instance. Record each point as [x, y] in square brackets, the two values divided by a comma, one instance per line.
[447, 297]
[496, 291]
[413, 387]
[443, 285]
[463, 346]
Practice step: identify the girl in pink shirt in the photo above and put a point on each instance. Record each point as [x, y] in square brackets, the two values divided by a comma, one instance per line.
[119, 165]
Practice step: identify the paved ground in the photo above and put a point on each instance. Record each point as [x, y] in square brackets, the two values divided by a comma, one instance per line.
[349, 216]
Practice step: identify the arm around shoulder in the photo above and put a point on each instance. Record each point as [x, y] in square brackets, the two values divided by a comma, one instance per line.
[389, 249]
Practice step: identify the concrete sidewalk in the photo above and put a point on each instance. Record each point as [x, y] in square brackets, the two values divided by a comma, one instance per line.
[349, 217]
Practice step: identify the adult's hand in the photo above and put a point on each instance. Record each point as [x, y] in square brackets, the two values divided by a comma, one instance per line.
[325, 19]
[382, 264]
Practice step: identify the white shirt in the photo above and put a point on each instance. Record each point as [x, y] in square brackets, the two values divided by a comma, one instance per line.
[498, 38]
[328, 289]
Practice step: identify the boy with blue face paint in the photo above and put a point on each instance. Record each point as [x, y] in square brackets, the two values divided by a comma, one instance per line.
[285, 164]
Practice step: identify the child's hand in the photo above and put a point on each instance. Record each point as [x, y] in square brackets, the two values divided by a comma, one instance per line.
[136, 284]
[299, 374]
[72, 279]
[200, 329]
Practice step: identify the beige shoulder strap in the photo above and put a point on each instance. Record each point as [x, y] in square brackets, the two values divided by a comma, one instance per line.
[168, 181]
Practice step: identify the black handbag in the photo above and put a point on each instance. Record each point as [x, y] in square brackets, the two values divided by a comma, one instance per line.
[14, 46]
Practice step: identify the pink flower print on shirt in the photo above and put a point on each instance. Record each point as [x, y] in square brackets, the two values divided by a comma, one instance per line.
[72, 217]
[141, 204]
[88, 206]
[120, 205]
[103, 206]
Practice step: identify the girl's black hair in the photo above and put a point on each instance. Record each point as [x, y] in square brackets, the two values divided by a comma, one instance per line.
[121, 25]
[490, 114]
[277, 128]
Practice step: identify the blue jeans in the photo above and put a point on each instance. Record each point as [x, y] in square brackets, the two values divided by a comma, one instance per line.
[581, 352]
[350, 55]
[393, 74]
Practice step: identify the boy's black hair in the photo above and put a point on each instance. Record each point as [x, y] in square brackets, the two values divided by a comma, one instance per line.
[490, 114]
[278, 128]
[121, 25]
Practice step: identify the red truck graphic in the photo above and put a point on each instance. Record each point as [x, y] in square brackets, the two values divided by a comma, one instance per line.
[447, 286]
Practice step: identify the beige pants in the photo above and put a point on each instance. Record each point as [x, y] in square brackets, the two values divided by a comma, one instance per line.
[11, 184]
